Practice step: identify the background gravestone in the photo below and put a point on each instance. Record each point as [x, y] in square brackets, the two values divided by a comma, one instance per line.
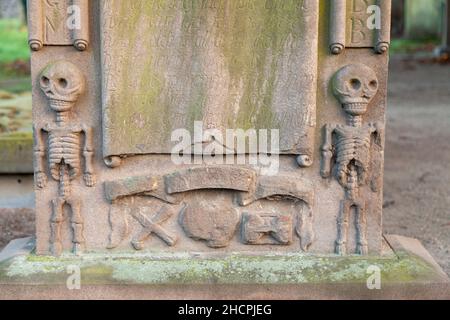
[12, 9]
[423, 19]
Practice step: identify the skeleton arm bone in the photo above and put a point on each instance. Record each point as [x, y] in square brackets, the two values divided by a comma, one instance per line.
[378, 132]
[88, 154]
[327, 152]
[39, 155]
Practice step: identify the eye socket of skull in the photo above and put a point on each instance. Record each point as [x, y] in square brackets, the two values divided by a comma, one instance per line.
[355, 84]
[44, 82]
[63, 83]
[373, 85]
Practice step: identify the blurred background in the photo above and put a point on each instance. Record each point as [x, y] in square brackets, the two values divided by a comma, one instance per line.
[417, 167]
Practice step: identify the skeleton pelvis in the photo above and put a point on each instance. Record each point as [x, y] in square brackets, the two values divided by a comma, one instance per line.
[63, 170]
[352, 170]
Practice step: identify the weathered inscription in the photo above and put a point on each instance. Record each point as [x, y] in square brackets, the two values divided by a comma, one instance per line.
[230, 64]
[358, 33]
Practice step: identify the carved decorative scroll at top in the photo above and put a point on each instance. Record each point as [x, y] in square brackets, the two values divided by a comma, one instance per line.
[58, 23]
[383, 38]
[62, 83]
[360, 24]
[338, 10]
[350, 147]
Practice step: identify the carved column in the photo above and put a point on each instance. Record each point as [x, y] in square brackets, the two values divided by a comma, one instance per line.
[338, 25]
[446, 29]
[35, 25]
[383, 38]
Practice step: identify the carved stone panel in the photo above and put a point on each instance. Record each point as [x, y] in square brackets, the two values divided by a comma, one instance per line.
[103, 119]
[62, 83]
[358, 33]
[349, 148]
[58, 23]
[227, 64]
[360, 24]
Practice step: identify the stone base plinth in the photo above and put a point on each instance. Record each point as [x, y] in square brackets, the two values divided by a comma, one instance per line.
[406, 272]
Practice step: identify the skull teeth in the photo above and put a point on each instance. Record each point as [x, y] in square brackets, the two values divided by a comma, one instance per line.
[356, 106]
[60, 103]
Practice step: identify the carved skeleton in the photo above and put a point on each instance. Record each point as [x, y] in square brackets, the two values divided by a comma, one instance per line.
[354, 86]
[62, 83]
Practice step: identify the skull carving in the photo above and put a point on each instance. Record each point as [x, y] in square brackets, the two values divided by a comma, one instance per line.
[62, 82]
[354, 86]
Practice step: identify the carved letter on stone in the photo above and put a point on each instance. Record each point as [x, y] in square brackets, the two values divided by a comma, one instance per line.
[59, 23]
[266, 228]
[354, 86]
[62, 83]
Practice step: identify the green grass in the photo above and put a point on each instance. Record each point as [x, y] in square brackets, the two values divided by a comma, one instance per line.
[14, 41]
[14, 54]
[412, 46]
[15, 84]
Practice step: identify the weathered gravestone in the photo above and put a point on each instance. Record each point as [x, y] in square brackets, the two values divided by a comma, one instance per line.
[116, 97]
[445, 44]
[424, 19]
[11, 9]
[16, 138]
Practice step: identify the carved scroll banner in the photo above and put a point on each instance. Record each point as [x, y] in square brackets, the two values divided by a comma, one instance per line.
[338, 19]
[58, 23]
[383, 38]
[226, 64]
[360, 24]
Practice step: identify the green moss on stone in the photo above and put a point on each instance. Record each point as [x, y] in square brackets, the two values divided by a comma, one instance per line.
[167, 268]
[186, 43]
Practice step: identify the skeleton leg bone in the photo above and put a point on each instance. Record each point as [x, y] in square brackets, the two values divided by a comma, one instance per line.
[342, 227]
[76, 221]
[55, 226]
[360, 224]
